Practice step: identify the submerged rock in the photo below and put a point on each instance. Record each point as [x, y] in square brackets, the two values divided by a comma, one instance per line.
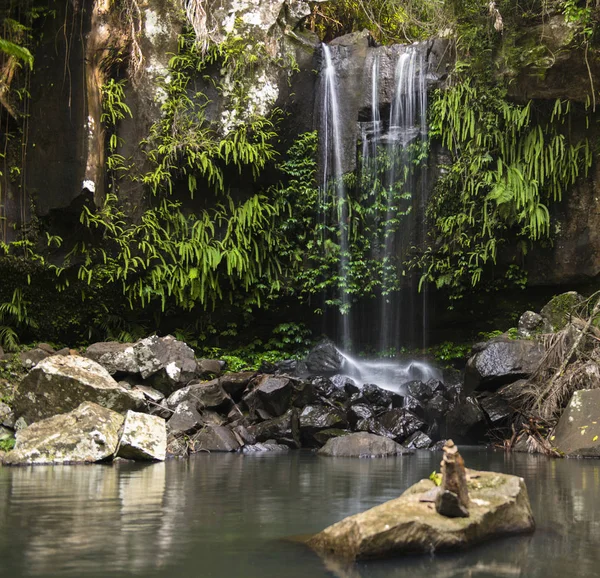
[59, 384]
[143, 437]
[409, 524]
[90, 433]
[362, 445]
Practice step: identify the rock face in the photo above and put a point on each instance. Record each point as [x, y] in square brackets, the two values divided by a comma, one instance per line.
[362, 445]
[59, 384]
[409, 524]
[501, 361]
[90, 433]
[578, 429]
[144, 437]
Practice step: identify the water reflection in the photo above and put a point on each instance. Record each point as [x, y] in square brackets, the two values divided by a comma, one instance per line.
[226, 516]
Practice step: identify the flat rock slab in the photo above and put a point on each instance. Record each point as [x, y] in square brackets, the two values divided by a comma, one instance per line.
[144, 437]
[578, 430]
[362, 445]
[407, 525]
[59, 384]
[90, 433]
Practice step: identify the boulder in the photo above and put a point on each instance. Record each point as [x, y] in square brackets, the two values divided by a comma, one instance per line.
[362, 445]
[209, 368]
[437, 407]
[578, 430]
[401, 423]
[59, 384]
[324, 435]
[143, 437]
[185, 419]
[89, 433]
[418, 441]
[205, 394]
[314, 418]
[465, 422]
[275, 394]
[283, 429]
[372, 425]
[151, 394]
[501, 361]
[495, 408]
[419, 390]
[235, 383]
[359, 412]
[531, 323]
[409, 524]
[7, 416]
[168, 364]
[32, 357]
[324, 358]
[215, 439]
[557, 312]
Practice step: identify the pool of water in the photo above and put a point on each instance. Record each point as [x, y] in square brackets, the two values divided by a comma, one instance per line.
[229, 516]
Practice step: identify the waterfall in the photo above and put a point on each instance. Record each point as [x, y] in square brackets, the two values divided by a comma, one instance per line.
[333, 190]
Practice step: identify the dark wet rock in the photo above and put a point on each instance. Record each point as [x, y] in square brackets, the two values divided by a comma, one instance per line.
[143, 437]
[242, 433]
[209, 368]
[305, 393]
[465, 422]
[185, 419]
[408, 525]
[373, 425]
[495, 407]
[436, 386]
[89, 433]
[265, 448]
[558, 311]
[359, 412]
[501, 361]
[323, 436]
[578, 430]
[419, 390]
[215, 438]
[346, 383]
[319, 417]
[401, 423]
[413, 405]
[437, 407]
[531, 323]
[275, 394]
[205, 394]
[283, 429]
[438, 446]
[377, 396]
[362, 445]
[512, 391]
[286, 367]
[32, 357]
[324, 358]
[418, 441]
[59, 384]
[160, 409]
[236, 383]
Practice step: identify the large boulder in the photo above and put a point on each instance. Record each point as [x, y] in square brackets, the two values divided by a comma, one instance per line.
[324, 358]
[558, 311]
[283, 429]
[215, 439]
[204, 394]
[578, 430]
[501, 361]
[165, 362]
[401, 423]
[465, 422]
[362, 445]
[89, 433]
[315, 418]
[59, 384]
[143, 437]
[273, 394]
[499, 506]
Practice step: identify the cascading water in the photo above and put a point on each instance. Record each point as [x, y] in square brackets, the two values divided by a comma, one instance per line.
[333, 191]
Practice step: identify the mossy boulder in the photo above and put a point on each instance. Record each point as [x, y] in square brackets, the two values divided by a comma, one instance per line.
[560, 308]
[499, 506]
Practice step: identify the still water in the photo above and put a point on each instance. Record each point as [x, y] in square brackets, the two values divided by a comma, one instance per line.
[226, 516]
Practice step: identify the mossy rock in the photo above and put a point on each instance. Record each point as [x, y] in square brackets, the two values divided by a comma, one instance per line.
[559, 309]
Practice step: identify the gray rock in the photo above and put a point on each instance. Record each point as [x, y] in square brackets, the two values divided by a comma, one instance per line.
[89, 433]
[531, 323]
[275, 394]
[362, 445]
[208, 368]
[578, 430]
[46, 347]
[150, 393]
[215, 439]
[408, 525]
[235, 383]
[324, 435]
[32, 357]
[324, 358]
[143, 437]
[447, 504]
[59, 384]
[205, 394]
[7, 416]
[283, 429]
[501, 361]
[495, 407]
[185, 419]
